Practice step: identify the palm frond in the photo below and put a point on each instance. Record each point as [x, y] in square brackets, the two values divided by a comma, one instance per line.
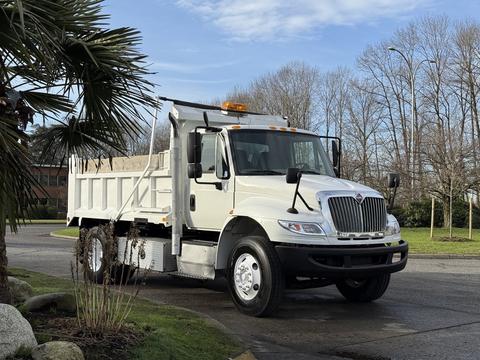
[43, 102]
[16, 179]
[110, 73]
[76, 137]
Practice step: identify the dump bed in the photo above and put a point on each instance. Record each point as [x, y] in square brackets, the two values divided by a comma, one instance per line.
[99, 188]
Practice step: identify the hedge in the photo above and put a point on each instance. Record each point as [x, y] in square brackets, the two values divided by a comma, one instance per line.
[418, 213]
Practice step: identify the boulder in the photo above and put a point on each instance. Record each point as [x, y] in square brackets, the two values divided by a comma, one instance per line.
[54, 301]
[15, 331]
[20, 290]
[57, 350]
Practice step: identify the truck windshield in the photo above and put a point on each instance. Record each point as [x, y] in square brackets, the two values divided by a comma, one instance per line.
[267, 152]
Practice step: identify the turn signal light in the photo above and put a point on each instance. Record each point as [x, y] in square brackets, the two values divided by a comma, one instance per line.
[233, 106]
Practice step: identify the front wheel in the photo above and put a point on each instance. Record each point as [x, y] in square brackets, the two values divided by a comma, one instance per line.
[364, 290]
[255, 277]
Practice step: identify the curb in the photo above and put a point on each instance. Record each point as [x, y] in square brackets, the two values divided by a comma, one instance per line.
[52, 234]
[444, 256]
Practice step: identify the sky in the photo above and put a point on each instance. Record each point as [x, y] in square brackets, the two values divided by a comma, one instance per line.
[201, 49]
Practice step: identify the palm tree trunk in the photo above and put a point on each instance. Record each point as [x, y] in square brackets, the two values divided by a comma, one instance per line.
[5, 296]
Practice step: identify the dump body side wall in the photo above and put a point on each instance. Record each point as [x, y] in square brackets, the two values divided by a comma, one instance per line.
[98, 190]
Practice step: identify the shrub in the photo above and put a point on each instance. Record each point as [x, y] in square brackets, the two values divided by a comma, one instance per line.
[460, 215]
[43, 212]
[103, 309]
[418, 214]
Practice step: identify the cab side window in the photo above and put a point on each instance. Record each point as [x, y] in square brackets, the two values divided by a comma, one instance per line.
[208, 153]
[221, 160]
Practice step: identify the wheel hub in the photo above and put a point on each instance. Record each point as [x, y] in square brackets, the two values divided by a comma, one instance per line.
[247, 276]
[95, 255]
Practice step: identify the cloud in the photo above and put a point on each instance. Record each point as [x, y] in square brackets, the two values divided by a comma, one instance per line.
[247, 20]
[197, 81]
[190, 68]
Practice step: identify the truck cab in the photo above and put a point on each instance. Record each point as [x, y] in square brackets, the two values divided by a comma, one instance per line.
[247, 197]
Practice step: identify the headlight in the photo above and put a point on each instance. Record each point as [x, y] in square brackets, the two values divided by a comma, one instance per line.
[303, 228]
[393, 227]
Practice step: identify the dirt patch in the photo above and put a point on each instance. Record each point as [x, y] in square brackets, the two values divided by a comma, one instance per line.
[115, 345]
[452, 239]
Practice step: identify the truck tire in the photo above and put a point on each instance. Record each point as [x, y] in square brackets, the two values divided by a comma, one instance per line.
[95, 263]
[365, 290]
[255, 277]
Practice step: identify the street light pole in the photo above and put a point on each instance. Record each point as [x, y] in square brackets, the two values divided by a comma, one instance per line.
[412, 72]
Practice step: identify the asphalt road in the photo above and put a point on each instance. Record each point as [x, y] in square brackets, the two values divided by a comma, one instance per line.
[430, 311]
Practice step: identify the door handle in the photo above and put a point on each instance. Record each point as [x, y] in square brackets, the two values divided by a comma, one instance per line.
[192, 202]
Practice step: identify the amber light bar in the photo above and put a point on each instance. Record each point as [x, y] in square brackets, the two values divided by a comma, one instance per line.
[233, 106]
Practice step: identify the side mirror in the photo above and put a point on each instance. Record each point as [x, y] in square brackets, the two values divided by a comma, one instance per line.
[393, 180]
[194, 148]
[194, 170]
[292, 175]
[335, 154]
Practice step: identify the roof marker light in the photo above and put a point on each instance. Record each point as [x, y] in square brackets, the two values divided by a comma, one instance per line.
[233, 106]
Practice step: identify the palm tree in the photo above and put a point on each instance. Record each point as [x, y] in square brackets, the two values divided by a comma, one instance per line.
[58, 61]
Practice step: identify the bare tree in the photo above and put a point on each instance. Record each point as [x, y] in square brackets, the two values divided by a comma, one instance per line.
[372, 111]
[288, 91]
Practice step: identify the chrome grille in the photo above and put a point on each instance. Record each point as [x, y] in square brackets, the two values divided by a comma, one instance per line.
[349, 216]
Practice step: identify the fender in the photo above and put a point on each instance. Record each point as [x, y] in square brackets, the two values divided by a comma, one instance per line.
[259, 215]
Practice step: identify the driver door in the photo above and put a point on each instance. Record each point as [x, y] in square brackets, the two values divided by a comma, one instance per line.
[211, 203]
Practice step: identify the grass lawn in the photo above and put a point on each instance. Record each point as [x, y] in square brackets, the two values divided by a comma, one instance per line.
[69, 231]
[175, 333]
[42, 221]
[420, 243]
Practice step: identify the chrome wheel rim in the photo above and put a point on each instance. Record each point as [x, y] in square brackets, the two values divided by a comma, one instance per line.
[247, 277]
[95, 256]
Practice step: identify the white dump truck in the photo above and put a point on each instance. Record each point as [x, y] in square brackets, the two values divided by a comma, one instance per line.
[243, 196]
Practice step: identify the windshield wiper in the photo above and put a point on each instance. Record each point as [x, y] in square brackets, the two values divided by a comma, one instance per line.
[262, 172]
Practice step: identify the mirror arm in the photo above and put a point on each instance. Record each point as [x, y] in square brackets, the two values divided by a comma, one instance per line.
[292, 210]
[339, 165]
[304, 202]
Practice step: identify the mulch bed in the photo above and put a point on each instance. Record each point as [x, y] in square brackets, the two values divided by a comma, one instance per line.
[54, 326]
[452, 239]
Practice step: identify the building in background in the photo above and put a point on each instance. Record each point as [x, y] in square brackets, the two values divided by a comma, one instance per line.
[53, 179]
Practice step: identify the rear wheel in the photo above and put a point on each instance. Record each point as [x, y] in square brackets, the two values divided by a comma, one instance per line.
[255, 278]
[95, 261]
[364, 290]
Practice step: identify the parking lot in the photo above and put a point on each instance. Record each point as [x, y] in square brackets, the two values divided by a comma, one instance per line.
[430, 311]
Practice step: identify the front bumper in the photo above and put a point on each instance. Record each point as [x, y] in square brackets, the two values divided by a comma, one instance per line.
[342, 261]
